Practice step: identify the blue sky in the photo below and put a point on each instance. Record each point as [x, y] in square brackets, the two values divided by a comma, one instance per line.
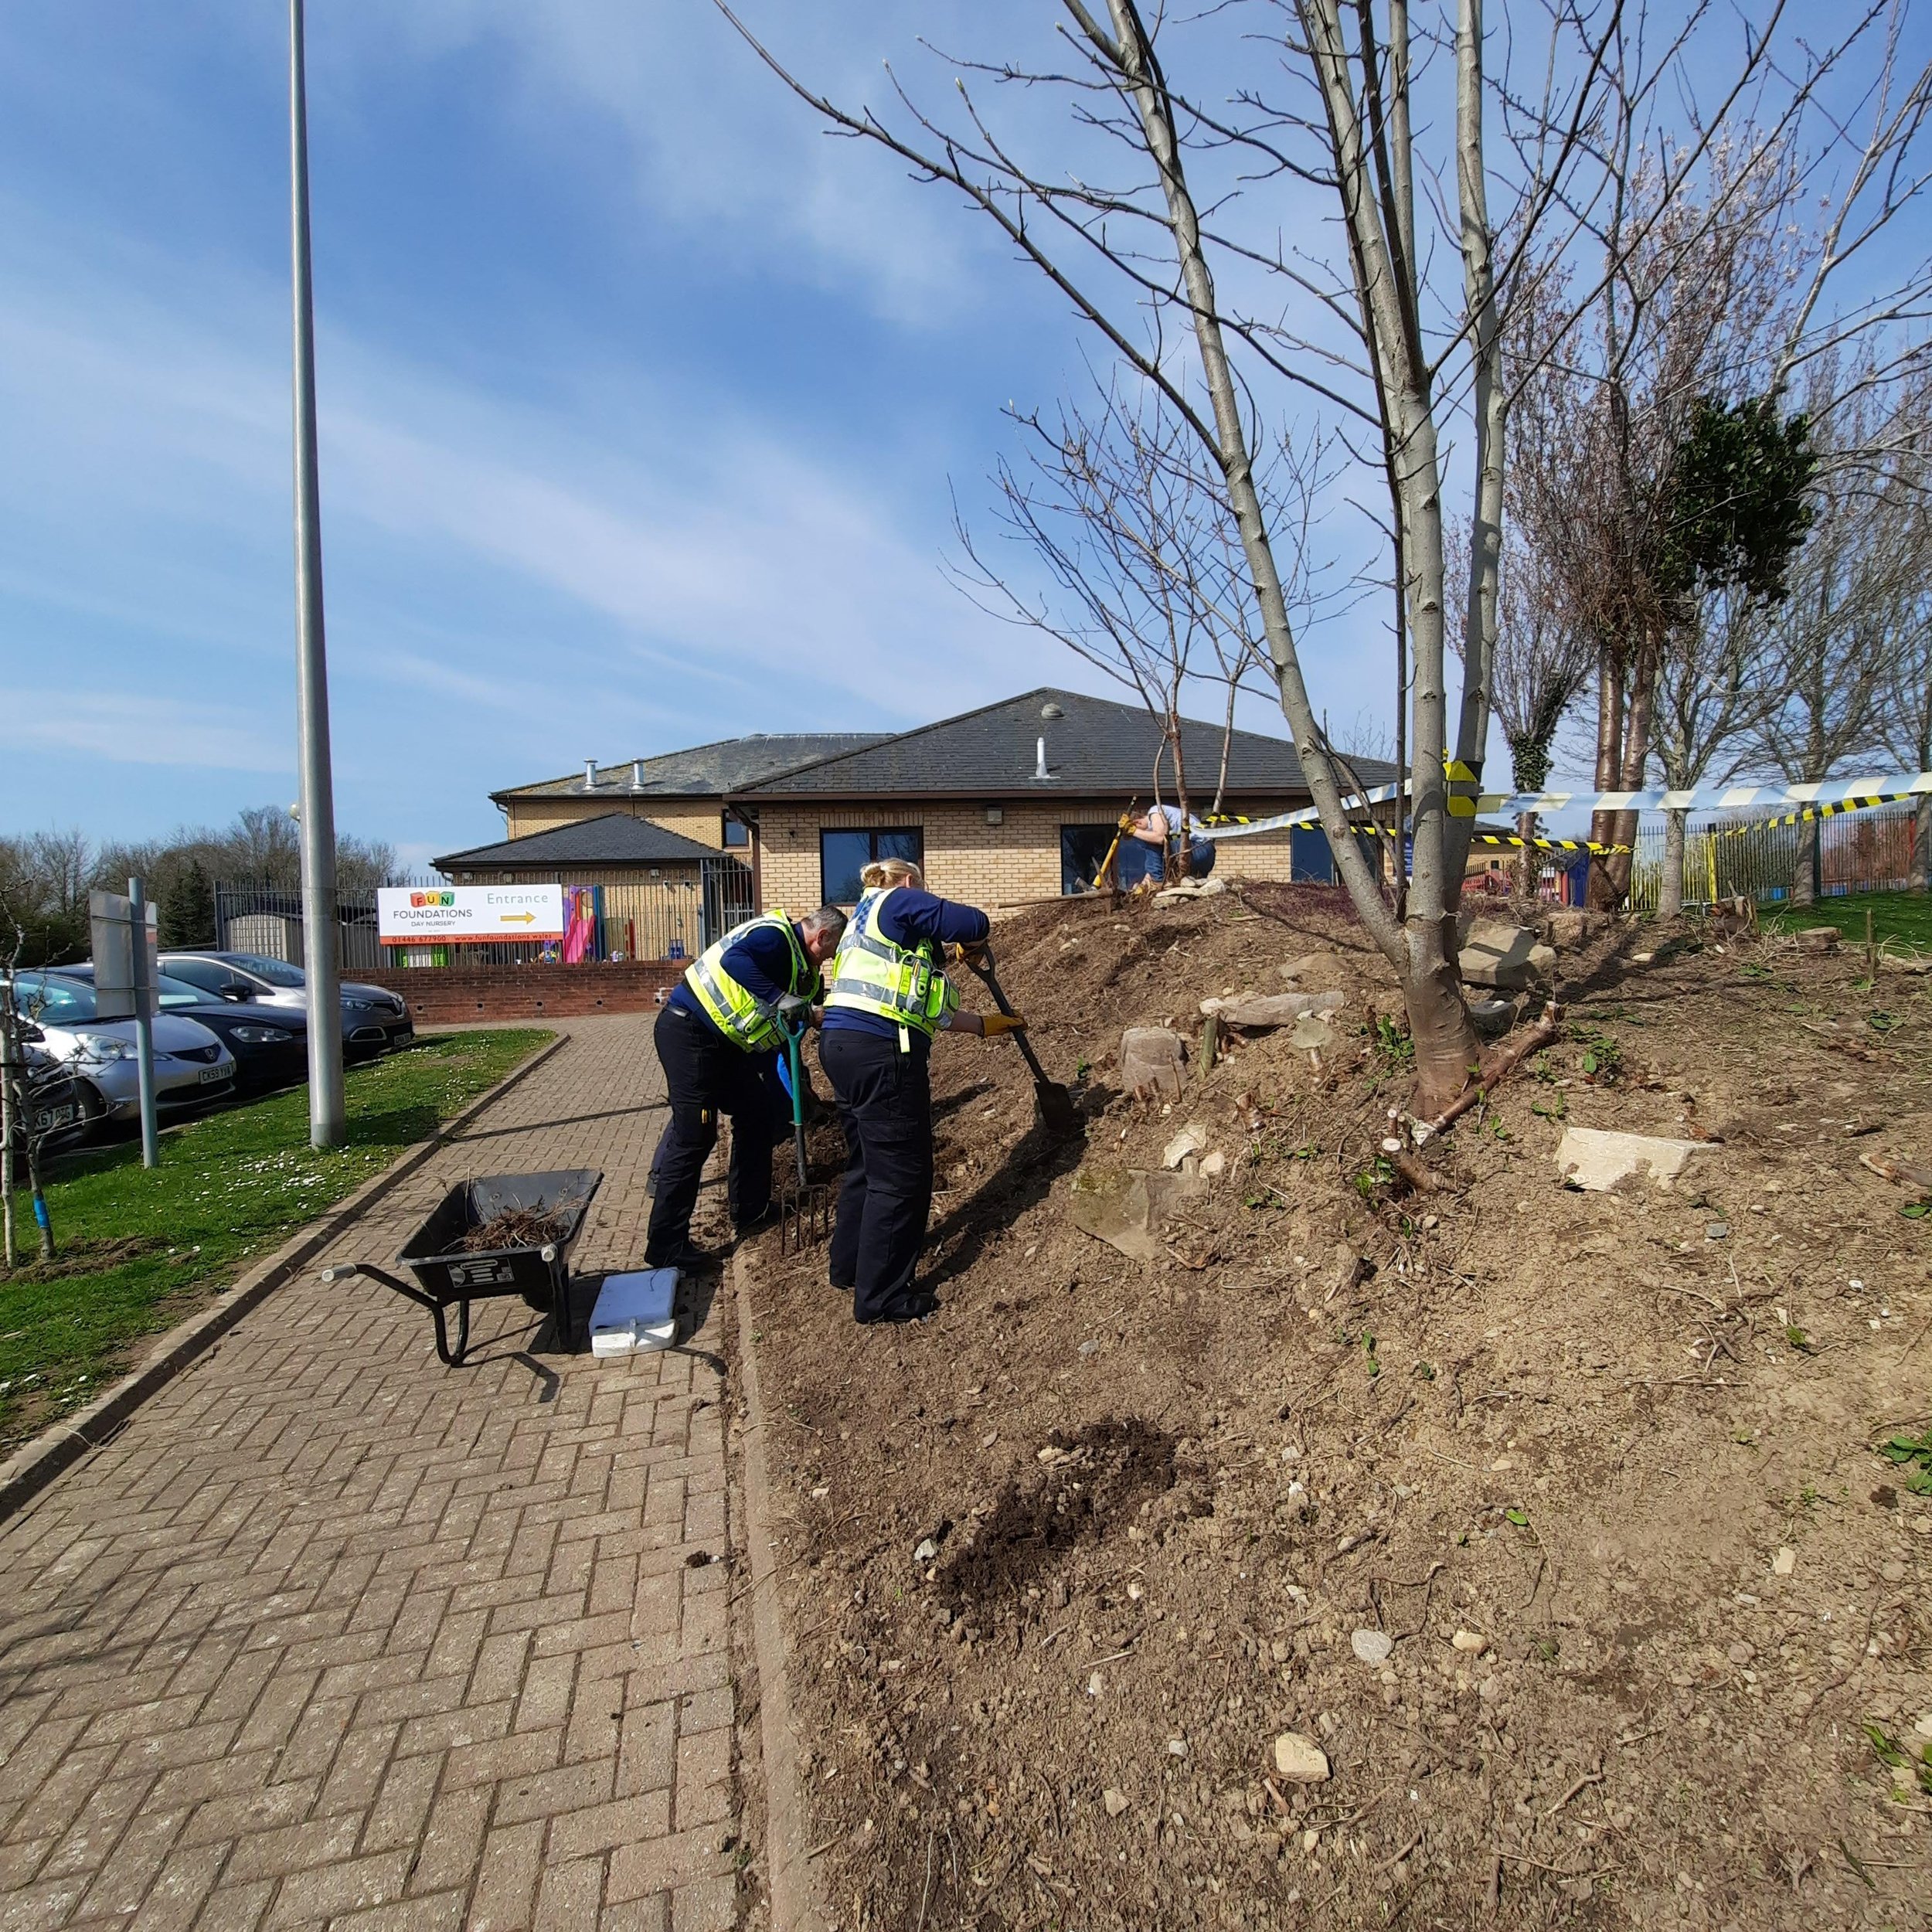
[643, 403]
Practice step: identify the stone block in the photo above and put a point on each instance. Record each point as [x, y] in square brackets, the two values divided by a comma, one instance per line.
[1153, 1060]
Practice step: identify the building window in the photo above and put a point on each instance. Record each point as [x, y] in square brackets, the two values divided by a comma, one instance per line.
[1083, 853]
[843, 854]
[737, 834]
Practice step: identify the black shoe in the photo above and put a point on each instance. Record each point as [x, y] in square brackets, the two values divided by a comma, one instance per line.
[917, 1310]
[745, 1229]
[687, 1259]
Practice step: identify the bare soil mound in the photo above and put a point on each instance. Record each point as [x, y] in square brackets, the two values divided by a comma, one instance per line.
[1563, 1523]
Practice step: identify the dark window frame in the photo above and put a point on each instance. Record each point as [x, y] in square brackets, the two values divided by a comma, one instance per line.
[1106, 828]
[915, 834]
[729, 824]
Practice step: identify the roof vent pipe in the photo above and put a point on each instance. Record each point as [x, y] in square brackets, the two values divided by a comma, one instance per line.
[637, 774]
[590, 774]
[1039, 758]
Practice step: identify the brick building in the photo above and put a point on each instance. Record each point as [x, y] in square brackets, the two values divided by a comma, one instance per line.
[1013, 802]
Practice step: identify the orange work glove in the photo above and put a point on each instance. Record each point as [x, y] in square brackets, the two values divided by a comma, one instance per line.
[998, 1023]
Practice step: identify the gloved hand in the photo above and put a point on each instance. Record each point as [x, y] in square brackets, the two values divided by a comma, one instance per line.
[1126, 821]
[999, 1023]
[794, 1010]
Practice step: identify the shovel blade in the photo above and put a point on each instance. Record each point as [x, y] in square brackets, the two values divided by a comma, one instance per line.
[1057, 1109]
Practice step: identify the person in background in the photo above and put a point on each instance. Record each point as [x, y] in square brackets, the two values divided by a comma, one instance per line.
[1150, 838]
[889, 995]
[715, 1039]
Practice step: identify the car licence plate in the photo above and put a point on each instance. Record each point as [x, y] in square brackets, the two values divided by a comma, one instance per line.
[211, 1075]
[56, 1116]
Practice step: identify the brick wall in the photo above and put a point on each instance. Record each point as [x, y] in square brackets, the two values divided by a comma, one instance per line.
[701, 819]
[454, 995]
[966, 858]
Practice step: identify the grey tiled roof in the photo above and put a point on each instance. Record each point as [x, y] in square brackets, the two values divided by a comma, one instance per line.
[1096, 745]
[705, 771]
[614, 839]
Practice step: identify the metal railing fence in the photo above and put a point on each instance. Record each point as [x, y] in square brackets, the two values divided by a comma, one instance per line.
[1738, 857]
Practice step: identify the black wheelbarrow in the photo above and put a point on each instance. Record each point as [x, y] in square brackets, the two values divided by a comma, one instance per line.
[449, 1274]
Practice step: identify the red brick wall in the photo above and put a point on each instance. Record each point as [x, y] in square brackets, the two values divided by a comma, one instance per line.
[449, 995]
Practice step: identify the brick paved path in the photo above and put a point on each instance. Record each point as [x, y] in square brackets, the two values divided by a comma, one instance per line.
[332, 1635]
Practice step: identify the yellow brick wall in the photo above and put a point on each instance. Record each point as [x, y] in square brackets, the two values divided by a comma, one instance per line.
[992, 866]
[701, 819]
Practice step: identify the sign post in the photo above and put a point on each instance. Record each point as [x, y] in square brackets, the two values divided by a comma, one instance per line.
[126, 949]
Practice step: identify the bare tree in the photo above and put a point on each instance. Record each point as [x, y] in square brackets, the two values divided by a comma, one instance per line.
[1833, 646]
[1343, 298]
[1147, 581]
[1719, 261]
[1905, 709]
[1714, 690]
[1137, 260]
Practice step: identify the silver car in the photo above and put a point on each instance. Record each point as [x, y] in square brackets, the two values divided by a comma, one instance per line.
[373, 1018]
[191, 1065]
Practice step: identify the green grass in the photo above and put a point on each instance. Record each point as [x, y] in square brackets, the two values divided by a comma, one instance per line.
[140, 1251]
[1904, 918]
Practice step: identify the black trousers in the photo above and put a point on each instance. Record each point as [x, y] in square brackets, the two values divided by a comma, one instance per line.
[706, 1075]
[885, 1105]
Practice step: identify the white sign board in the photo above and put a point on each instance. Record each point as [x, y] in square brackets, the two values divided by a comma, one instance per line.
[122, 971]
[467, 915]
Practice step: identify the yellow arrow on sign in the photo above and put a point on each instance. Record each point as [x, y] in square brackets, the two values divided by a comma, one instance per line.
[519, 919]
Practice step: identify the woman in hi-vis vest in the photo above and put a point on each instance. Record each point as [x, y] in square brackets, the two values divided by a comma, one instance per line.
[888, 995]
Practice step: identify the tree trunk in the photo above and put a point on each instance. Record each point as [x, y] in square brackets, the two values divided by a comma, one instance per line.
[1227, 746]
[1602, 892]
[1805, 882]
[1919, 875]
[1670, 890]
[1528, 860]
[1439, 1025]
[1180, 801]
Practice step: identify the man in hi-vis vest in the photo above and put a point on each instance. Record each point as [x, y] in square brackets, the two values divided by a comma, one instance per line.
[714, 1039]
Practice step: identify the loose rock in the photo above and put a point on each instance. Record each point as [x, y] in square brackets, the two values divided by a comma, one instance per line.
[1299, 1759]
[1597, 1161]
[1191, 1140]
[1508, 957]
[1115, 1801]
[1373, 1646]
[1261, 1010]
[1784, 1562]
[1819, 939]
[1471, 1640]
[926, 1551]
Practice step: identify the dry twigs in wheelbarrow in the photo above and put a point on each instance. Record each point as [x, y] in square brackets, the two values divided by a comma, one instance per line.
[514, 1228]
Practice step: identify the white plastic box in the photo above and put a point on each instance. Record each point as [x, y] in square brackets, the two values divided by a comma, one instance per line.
[635, 1312]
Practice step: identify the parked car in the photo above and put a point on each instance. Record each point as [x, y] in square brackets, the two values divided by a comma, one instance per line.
[373, 1019]
[270, 1043]
[191, 1065]
[61, 1106]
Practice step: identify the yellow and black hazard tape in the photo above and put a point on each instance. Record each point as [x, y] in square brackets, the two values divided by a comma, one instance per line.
[1809, 812]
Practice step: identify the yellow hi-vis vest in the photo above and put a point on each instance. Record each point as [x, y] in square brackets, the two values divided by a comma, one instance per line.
[871, 975]
[742, 1018]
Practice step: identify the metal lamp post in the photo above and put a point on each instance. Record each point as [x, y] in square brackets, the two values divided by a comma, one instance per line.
[326, 1103]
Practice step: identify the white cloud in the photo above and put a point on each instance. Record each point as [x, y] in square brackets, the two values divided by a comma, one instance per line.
[144, 728]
